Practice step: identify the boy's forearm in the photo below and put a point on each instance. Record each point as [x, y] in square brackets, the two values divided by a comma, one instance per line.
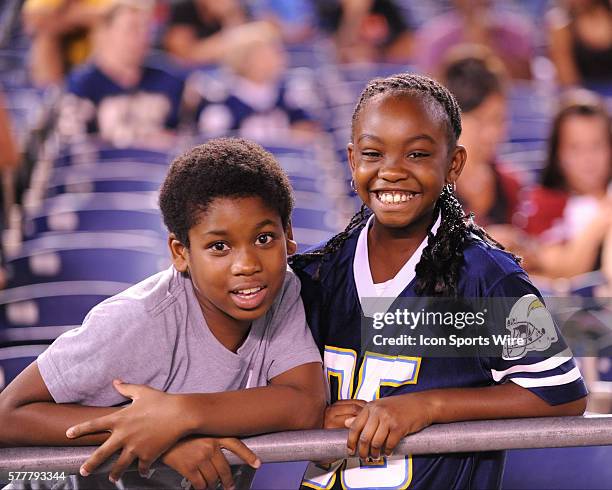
[256, 410]
[45, 424]
[508, 400]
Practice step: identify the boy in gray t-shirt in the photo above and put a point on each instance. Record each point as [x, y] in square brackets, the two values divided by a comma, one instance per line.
[227, 316]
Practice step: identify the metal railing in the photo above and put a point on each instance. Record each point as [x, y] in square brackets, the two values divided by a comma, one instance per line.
[483, 435]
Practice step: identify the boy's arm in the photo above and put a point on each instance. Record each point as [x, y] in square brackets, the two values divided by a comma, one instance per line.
[293, 400]
[30, 416]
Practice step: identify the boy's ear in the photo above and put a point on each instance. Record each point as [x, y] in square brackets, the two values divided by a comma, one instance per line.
[459, 157]
[179, 253]
[291, 244]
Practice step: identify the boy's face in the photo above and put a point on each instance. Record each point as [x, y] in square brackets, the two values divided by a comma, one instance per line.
[236, 260]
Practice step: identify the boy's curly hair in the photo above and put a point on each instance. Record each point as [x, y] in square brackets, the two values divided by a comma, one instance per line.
[222, 167]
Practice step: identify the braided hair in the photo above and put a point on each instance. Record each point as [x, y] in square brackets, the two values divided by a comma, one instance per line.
[437, 273]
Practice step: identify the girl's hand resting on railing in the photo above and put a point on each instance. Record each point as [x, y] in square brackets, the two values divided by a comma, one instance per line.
[382, 423]
[143, 430]
[201, 461]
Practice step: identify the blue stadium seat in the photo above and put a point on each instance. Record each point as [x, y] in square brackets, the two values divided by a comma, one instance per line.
[86, 264]
[15, 359]
[585, 468]
[96, 220]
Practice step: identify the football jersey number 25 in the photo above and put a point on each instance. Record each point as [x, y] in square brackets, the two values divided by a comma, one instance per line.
[376, 371]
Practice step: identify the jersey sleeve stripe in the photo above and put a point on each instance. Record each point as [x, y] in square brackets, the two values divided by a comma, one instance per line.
[545, 365]
[557, 380]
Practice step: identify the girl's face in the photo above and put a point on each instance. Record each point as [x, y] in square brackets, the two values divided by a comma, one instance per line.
[400, 159]
[585, 155]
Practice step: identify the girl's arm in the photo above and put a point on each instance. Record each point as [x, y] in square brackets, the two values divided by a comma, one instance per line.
[382, 423]
[29, 416]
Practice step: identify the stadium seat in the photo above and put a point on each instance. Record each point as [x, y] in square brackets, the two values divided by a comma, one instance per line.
[41, 312]
[86, 264]
[15, 359]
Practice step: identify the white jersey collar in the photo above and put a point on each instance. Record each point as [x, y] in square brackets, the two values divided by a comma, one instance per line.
[393, 288]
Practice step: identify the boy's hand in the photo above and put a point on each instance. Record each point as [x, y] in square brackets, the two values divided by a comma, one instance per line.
[201, 461]
[144, 429]
[336, 414]
[382, 423]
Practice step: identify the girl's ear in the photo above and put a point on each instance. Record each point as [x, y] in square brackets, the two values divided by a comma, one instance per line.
[351, 157]
[458, 159]
[179, 252]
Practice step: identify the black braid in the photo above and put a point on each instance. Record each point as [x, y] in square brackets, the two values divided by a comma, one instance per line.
[437, 273]
[419, 85]
[299, 261]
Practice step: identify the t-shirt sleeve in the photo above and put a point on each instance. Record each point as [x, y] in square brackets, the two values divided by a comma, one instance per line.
[290, 342]
[112, 343]
[539, 358]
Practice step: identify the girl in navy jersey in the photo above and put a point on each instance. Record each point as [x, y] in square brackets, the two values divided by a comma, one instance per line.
[411, 238]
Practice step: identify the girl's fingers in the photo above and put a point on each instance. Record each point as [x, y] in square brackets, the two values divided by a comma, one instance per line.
[393, 440]
[356, 426]
[365, 438]
[378, 440]
[241, 450]
[98, 457]
[125, 460]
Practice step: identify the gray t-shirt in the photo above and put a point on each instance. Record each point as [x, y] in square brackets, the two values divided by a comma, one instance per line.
[154, 333]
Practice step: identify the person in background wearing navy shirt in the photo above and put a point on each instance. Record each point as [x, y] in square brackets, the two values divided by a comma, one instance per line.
[118, 95]
[255, 99]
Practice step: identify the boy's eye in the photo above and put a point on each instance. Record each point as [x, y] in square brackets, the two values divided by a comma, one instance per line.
[417, 154]
[265, 238]
[219, 247]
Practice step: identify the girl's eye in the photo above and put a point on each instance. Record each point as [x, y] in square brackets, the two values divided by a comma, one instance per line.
[370, 154]
[265, 238]
[219, 247]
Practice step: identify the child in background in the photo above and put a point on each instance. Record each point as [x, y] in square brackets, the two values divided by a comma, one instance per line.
[119, 95]
[226, 317]
[570, 212]
[417, 242]
[254, 100]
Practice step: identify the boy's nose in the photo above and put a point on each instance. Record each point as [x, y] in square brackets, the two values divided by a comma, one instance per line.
[246, 264]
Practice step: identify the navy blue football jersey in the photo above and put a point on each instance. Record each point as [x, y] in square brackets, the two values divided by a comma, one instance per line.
[335, 315]
[97, 104]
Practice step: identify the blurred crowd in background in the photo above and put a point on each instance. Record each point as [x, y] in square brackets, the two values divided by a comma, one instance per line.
[88, 80]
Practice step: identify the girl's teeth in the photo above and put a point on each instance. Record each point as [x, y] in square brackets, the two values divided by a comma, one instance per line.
[394, 197]
[248, 291]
